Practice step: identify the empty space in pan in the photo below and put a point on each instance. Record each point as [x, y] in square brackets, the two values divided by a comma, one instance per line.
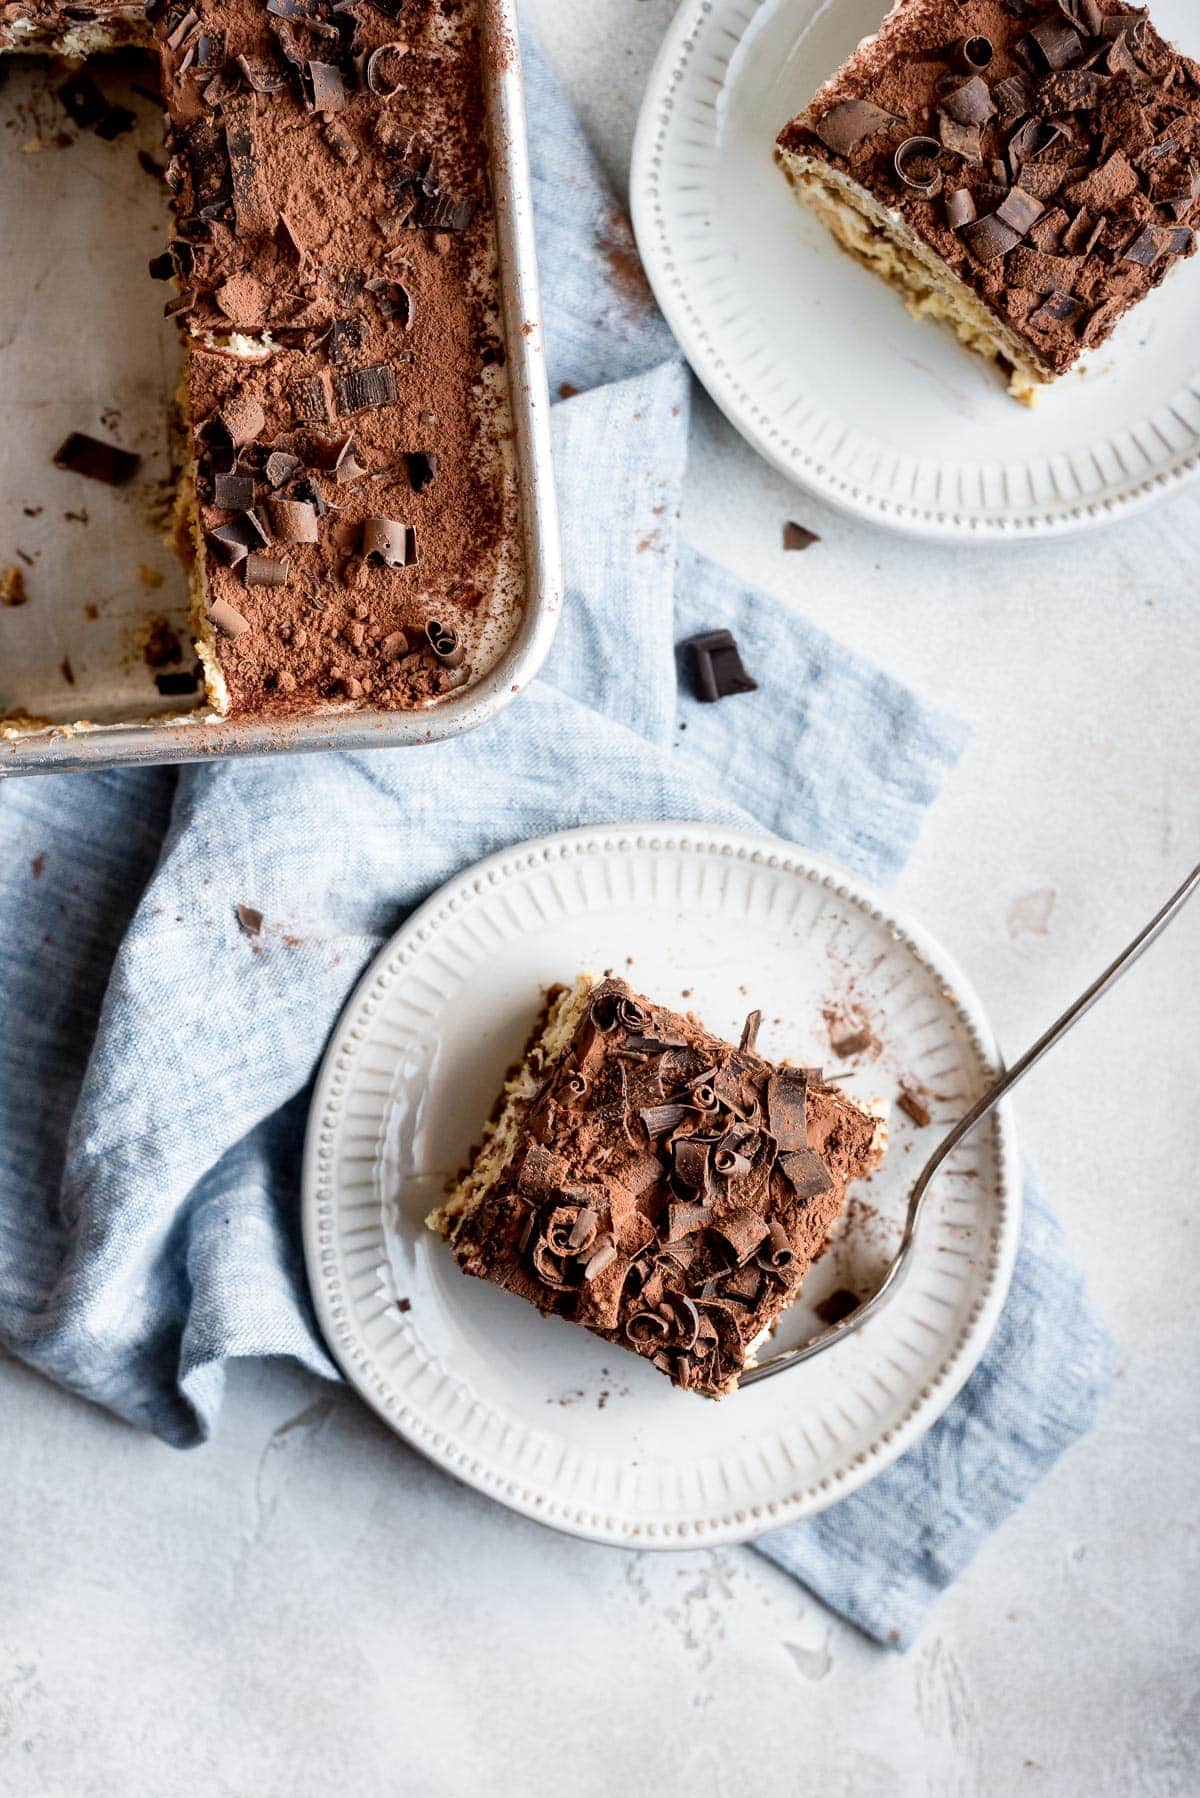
[84, 347]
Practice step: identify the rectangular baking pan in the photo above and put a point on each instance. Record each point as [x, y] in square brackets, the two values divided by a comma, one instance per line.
[199, 737]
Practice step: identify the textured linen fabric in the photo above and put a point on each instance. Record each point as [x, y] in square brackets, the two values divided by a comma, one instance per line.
[156, 1061]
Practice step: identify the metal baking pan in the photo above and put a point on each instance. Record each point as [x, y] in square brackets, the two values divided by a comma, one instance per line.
[44, 393]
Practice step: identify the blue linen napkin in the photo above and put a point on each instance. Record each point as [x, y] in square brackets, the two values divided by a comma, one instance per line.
[156, 1064]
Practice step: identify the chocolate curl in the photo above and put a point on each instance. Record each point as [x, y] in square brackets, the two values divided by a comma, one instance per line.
[646, 1327]
[973, 54]
[444, 642]
[239, 421]
[806, 1172]
[227, 618]
[750, 1032]
[233, 492]
[685, 1220]
[690, 1158]
[266, 571]
[385, 83]
[326, 87]
[551, 1268]
[777, 1254]
[386, 541]
[280, 467]
[1058, 46]
[849, 124]
[915, 154]
[743, 1231]
[660, 1120]
[603, 1255]
[347, 467]
[293, 520]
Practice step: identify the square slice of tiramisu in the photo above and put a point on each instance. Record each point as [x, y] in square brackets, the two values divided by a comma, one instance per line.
[664, 1189]
[1025, 171]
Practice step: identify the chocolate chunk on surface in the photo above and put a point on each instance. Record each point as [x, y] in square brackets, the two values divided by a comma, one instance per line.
[717, 667]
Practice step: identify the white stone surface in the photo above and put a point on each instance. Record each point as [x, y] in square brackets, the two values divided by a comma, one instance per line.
[304, 1607]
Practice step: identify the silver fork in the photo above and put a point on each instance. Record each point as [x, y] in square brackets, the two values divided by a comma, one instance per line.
[891, 1280]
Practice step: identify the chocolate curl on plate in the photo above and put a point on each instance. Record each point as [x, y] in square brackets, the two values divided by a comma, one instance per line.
[444, 642]
[690, 1157]
[743, 1231]
[385, 540]
[777, 1254]
[850, 123]
[807, 1173]
[646, 1327]
[660, 1120]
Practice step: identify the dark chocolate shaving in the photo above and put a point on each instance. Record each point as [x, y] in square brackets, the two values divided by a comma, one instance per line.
[798, 536]
[1054, 44]
[326, 87]
[445, 643]
[228, 619]
[1019, 210]
[265, 571]
[915, 162]
[364, 389]
[960, 208]
[385, 70]
[96, 461]
[989, 238]
[970, 104]
[974, 54]
[851, 122]
[386, 541]
[806, 1172]
[660, 1120]
[233, 492]
[293, 520]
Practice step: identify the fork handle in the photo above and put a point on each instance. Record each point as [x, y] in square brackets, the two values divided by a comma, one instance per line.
[999, 1090]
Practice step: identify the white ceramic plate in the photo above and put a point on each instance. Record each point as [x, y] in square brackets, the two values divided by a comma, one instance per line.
[536, 1412]
[818, 363]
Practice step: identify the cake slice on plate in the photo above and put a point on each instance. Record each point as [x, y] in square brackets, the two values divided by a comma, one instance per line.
[1026, 171]
[664, 1189]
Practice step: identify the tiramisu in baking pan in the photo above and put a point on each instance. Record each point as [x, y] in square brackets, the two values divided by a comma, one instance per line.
[362, 497]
